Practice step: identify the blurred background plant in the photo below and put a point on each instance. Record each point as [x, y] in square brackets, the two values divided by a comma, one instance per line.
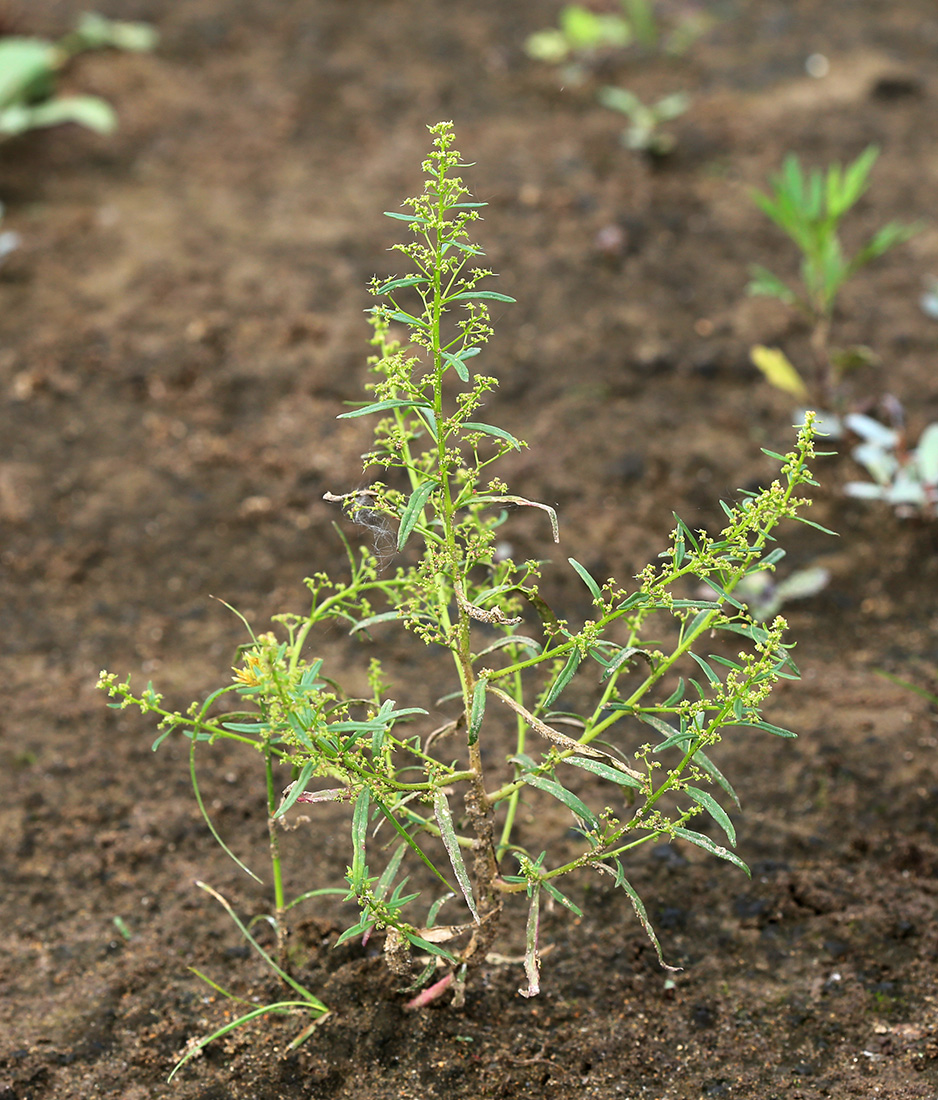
[809, 208]
[583, 34]
[644, 133]
[906, 478]
[30, 67]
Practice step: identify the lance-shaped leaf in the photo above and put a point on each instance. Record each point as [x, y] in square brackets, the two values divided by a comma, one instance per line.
[566, 675]
[405, 217]
[458, 361]
[416, 504]
[712, 847]
[488, 295]
[562, 898]
[715, 810]
[531, 957]
[586, 579]
[620, 776]
[399, 284]
[638, 905]
[295, 789]
[489, 429]
[448, 835]
[384, 406]
[568, 798]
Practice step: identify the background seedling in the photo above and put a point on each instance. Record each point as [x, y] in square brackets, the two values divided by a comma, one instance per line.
[29, 68]
[643, 133]
[582, 32]
[617, 734]
[809, 208]
[906, 479]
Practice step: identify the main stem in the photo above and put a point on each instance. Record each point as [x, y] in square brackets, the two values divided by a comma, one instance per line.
[479, 808]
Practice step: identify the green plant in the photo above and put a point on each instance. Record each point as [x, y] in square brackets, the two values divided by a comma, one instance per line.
[643, 132]
[809, 209]
[644, 715]
[29, 68]
[582, 32]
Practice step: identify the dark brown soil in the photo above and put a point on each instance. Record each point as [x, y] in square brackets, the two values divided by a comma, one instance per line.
[180, 329]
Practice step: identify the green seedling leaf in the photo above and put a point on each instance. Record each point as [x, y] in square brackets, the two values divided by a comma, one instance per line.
[86, 110]
[587, 579]
[416, 504]
[97, 32]
[778, 370]
[713, 848]
[444, 819]
[715, 810]
[26, 69]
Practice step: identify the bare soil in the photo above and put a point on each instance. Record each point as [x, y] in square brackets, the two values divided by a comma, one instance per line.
[179, 331]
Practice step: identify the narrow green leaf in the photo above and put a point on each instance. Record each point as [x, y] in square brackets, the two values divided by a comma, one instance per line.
[425, 945]
[715, 810]
[373, 620]
[562, 898]
[622, 657]
[297, 789]
[778, 731]
[711, 583]
[639, 906]
[416, 504]
[566, 675]
[586, 579]
[489, 295]
[614, 775]
[405, 217]
[390, 872]
[712, 847]
[707, 670]
[359, 832]
[568, 798]
[444, 819]
[489, 429]
[383, 406]
[399, 284]
[406, 318]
